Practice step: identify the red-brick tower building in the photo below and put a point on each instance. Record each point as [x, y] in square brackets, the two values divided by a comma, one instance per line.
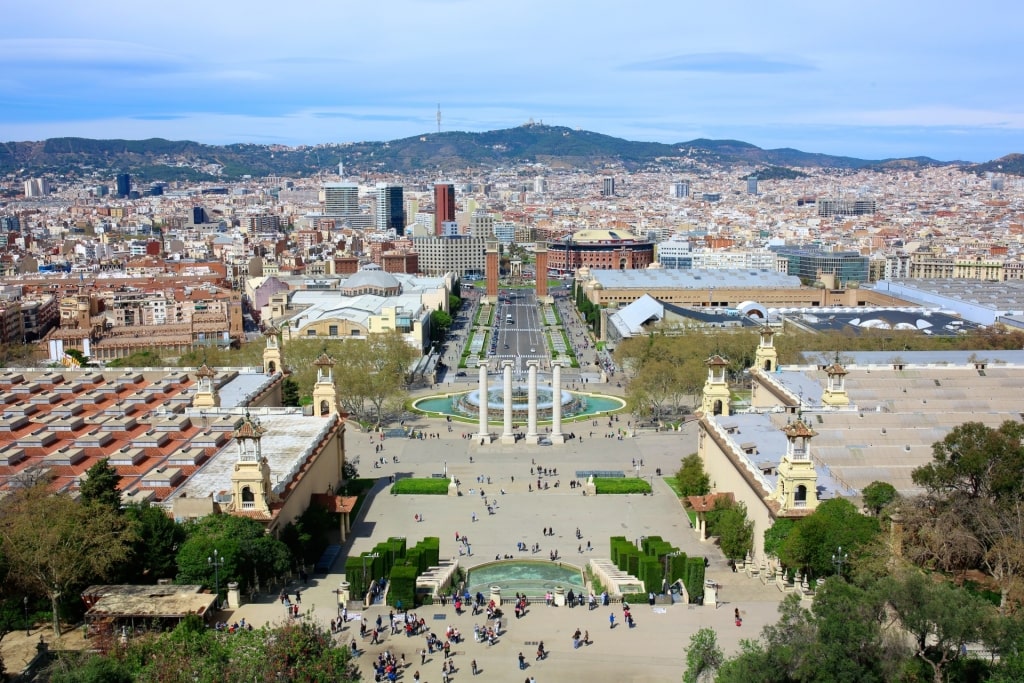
[492, 265]
[541, 252]
[444, 206]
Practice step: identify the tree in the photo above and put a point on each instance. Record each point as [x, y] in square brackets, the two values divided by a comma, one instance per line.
[975, 460]
[249, 555]
[942, 618]
[440, 323]
[691, 479]
[835, 524]
[703, 657]
[776, 535]
[877, 495]
[100, 486]
[53, 544]
[156, 540]
[728, 520]
[289, 393]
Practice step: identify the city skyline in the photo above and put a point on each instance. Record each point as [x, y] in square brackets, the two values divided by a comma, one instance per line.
[872, 81]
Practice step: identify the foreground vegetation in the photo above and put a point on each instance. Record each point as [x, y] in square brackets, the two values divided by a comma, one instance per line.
[894, 612]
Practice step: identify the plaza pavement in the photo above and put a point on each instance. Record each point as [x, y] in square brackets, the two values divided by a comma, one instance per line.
[653, 651]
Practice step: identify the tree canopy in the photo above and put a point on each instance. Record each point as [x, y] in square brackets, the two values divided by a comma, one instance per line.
[53, 544]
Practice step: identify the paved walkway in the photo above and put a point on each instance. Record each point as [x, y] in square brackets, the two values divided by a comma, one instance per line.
[653, 651]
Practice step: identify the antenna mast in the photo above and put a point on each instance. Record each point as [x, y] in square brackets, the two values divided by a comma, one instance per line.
[438, 117]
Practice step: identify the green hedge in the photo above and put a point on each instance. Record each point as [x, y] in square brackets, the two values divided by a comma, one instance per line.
[613, 485]
[403, 586]
[651, 573]
[431, 549]
[425, 487]
[693, 577]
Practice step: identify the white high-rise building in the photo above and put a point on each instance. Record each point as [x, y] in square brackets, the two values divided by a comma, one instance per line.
[679, 189]
[37, 187]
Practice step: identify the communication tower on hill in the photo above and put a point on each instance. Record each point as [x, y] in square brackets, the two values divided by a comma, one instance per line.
[438, 117]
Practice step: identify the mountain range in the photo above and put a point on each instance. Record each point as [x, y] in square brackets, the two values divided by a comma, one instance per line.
[554, 146]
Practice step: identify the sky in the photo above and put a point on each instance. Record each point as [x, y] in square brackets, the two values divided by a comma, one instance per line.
[870, 79]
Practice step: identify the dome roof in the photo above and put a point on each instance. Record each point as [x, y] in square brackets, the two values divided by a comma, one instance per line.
[367, 277]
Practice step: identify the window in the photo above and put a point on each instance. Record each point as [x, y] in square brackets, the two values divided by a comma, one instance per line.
[310, 332]
[332, 331]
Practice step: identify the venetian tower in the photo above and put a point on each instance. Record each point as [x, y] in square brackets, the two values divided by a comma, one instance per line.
[206, 389]
[766, 358]
[325, 395]
[250, 481]
[835, 391]
[273, 361]
[715, 397]
[797, 485]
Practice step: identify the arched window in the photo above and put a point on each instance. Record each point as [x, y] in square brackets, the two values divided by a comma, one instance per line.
[800, 496]
[272, 366]
[717, 409]
[325, 408]
[247, 495]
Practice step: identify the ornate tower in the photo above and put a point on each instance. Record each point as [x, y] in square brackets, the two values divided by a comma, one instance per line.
[325, 396]
[492, 265]
[766, 358]
[797, 486]
[273, 360]
[835, 392]
[715, 398]
[206, 389]
[250, 482]
[541, 269]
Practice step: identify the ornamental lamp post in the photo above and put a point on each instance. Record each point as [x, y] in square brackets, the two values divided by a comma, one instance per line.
[216, 562]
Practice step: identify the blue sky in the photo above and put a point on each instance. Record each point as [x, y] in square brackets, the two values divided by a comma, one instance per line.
[868, 79]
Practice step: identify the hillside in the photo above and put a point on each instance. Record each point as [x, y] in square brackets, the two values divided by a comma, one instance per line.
[556, 146]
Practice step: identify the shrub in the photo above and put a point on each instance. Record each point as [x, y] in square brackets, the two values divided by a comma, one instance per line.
[423, 487]
[619, 485]
[403, 585]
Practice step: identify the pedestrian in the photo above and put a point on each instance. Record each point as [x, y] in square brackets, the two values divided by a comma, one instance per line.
[423, 656]
[586, 637]
[472, 665]
[611, 620]
[522, 661]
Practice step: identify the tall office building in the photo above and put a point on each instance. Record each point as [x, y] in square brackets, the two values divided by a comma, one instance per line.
[341, 199]
[124, 185]
[679, 189]
[608, 188]
[752, 185]
[540, 185]
[444, 206]
[391, 208]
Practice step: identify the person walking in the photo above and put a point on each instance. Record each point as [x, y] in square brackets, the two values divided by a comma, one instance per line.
[611, 620]
[522, 661]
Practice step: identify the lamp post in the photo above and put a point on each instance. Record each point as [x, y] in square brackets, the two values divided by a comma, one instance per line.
[372, 556]
[27, 625]
[839, 558]
[216, 562]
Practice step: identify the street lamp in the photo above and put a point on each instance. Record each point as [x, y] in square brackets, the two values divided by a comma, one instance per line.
[839, 558]
[372, 556]
[27, 625]
[216, 562]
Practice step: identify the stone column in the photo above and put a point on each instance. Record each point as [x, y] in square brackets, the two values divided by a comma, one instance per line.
[556, 402]
[531, 422]
[484, 435]
[506, 435]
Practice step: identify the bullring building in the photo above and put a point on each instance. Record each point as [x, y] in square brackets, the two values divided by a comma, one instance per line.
[600, 250]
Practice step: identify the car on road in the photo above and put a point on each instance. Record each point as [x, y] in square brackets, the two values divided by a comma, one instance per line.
[506, 346]
[460, 373]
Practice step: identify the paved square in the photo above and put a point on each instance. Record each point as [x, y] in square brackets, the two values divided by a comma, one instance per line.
[652, 651]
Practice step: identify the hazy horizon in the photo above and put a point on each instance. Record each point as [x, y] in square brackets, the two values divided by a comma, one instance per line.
[872, 80]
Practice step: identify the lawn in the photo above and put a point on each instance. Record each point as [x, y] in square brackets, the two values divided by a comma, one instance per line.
[423, 487]
[621, 485]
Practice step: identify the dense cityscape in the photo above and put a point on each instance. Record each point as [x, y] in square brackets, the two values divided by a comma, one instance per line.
[766, 398]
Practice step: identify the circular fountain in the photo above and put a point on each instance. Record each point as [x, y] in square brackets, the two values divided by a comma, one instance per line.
[467, 404]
